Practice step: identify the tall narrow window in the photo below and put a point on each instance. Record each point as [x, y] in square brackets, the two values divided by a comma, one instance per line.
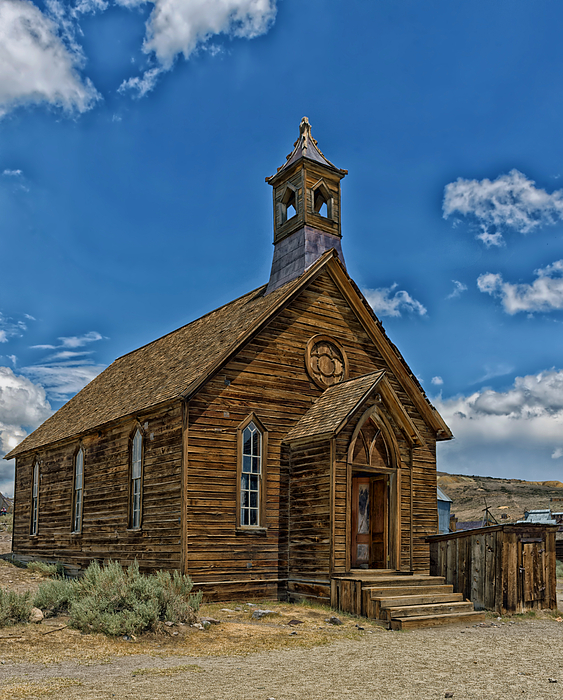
[34, 499]
[251, 475]
[136, 477]
[78, 491]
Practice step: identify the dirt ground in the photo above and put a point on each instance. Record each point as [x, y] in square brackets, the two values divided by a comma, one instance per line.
[244, 659]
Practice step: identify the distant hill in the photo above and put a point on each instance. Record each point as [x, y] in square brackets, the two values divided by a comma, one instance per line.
[503, 496]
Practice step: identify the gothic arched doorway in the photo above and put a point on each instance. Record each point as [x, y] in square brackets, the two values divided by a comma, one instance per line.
[373, 460]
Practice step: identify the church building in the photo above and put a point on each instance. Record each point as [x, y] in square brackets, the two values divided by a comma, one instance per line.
[272, 447]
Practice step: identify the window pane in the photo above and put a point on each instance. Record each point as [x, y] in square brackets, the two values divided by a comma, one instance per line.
[244, 482]
[247, 441]
[244, 516]
[246, 463]
[244, 499]
[253, 499]
[255, 465]
[254, 517]
[256, 444]
[253, 483]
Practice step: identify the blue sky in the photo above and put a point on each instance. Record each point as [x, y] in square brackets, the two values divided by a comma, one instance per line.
[134, 142]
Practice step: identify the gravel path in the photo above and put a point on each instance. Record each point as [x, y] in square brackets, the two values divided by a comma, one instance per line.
[490, 662]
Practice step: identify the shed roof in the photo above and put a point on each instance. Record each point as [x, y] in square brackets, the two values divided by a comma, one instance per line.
[330, 411]
[442, 496]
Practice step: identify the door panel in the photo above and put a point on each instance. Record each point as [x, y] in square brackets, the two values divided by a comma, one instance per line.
[378, 554]
[369, 522]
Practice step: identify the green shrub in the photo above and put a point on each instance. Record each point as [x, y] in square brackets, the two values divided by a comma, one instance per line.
[41, 567]
[54, 596]
[118, 601]
[14, 607]
[559, 569]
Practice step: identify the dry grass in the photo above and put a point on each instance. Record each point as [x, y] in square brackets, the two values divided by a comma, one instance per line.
[18, 688]
[170, 671]
[236, 635]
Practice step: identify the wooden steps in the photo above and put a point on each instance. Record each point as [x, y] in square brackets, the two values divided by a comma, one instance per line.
[403, 602]
[409, 623]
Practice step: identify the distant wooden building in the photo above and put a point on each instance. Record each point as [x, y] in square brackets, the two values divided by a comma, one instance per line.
[266, 448]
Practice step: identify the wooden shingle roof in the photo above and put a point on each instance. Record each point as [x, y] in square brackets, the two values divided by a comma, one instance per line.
[158, 372]
[331, 410]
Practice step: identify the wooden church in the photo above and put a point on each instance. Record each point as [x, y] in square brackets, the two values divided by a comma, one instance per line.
[277, 446]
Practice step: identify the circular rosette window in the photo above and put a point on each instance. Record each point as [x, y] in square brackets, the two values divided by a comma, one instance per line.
[326, 361]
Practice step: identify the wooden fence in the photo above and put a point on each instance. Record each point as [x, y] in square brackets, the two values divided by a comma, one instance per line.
[505, 568]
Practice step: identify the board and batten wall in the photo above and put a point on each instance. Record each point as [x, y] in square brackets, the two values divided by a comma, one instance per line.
[505, 568]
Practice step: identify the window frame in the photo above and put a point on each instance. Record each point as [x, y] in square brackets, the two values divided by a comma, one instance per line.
[262, 477]
[35, 482]
[77, 530]
[132, 523]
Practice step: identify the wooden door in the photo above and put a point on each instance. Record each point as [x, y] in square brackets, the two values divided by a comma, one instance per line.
[532, 569]
[369, 522]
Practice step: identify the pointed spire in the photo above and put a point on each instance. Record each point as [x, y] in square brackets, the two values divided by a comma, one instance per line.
[306, 147]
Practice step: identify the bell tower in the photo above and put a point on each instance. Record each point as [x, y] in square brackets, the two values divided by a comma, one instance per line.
[306, 193]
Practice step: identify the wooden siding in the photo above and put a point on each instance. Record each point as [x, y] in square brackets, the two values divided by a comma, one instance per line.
[106, 497]
[268, 377]
[505, 568]
[306, 490]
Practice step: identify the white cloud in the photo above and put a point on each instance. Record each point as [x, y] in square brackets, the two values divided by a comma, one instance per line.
[437, 381]
[459, 287]
[74, 341]
[23, 406]
[38, 63]
[12, 173]
[68, 369]
[544, 294]
[181, 27]
[510, 202]
[10, 328]
[523, 423]
[62, 380]
[387, 302]
[558, 453]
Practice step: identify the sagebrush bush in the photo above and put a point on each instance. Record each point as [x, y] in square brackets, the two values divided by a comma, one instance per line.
[55, 596]
[14, 607]
[117, 601]
[559, 569]
[41, 567]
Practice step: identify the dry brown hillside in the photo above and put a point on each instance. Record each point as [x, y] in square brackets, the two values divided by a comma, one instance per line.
[504, 496]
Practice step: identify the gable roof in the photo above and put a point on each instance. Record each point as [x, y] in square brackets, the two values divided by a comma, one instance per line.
[328, 415]
[158, 372]
[178, 364]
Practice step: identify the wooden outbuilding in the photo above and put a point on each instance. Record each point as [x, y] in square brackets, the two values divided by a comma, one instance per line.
[506, 568]
[266, 448]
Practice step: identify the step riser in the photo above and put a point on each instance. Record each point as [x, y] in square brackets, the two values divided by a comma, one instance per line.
[377, 592]
[415, 623]
[396, 601]
[423, 610]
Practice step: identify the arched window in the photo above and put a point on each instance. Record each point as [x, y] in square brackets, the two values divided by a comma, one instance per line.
[136, 481]
[251, 460]
[34, 499]
[78, 491]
